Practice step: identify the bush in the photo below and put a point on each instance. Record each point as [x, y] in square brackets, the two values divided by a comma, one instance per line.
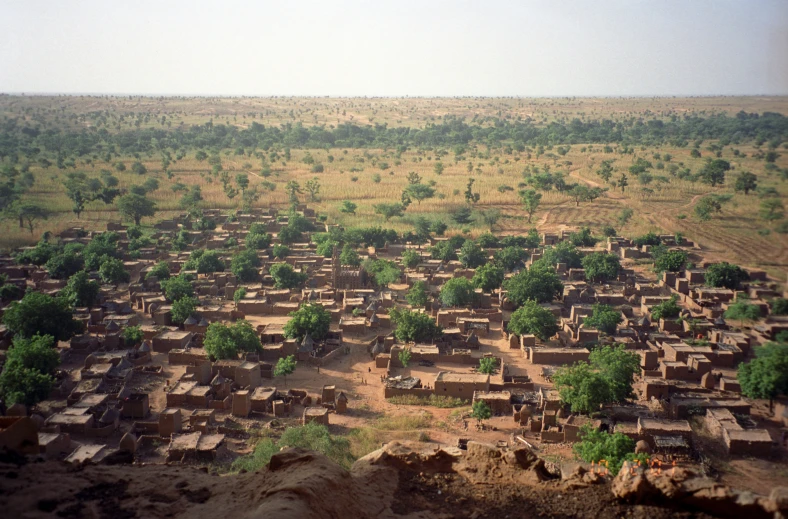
[226, 341]
[183, 308]
[596, 445]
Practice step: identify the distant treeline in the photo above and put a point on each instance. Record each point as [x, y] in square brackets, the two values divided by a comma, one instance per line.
[30, 139]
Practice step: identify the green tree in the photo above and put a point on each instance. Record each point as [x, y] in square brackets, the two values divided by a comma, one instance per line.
[177, 287]
[470, 196]
[471, 256]
[404, 357]
[604, 318]
[531, 200]
[666, 309]
[65, 264]
[132, 336]
[563, 252]
[772, 209]
[746, 182]
[29, 213]
[533, 319]
[481, 411]
[285, 366]
[293, 189]
[510, 258]
[713, 172]
[417, 295]
[488, 365]
[389, 211]
[622, 182]
[765, 376]
[488, 277]
[136, 207]
[583, 193]
[226, 341]
[81, 290]
[183, 308]
[615, 449]
[743, 311]
[113, 272]
[285, 277]
[280, 251]
[601, 267]
[39, 313]
[242, 179]
[540, 283]
[313, 186]
[670, 261]
[383, 271]
[411, 326]
[708, 206]
[410, 258]
[443, 251]
[348, 207]
[312, 319]
[349, 256]
[238, 295]
[582, 388]
[258, 241]
[457, 292]
[245, 265]
[725, 275]
[206, 261]
[618, 366]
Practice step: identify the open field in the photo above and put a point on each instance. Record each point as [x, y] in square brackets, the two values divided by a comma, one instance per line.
[370, 176]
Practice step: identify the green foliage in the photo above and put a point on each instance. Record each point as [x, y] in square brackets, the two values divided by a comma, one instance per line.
[713, 172]
[136, 207]
[666, 309]
[204, 262]
[39, 313]
[388, 211]
[471, 256]
[80, 290]
[183, 308]
[443, 251]
[510, 258]
[765, 376]
[132, 335]
[530, 200]
[404, 357]
[383, 271]
[563, 252]
[488, 277]
[27, 377]
[38, 255]
[349, 256]
[488, 365]
[410, 258]
[457, 292]
[743, 311]
[177, 287]
[441, 402]
[64, 265]
[583, 238]
[312, 319]
[604, 318]
[616, 448]
[238, 295]
[160, 271]
[285, 277]
[601, 267]
[772, 209]
[312, 436]
[417, 295]
[113, 272]
[481, 411]
[226, 341]
[488, 240]
[285, 366]
[670, 261]
[709, 205]
[413, 326]
[746, 182]
[258, 241]
[540, 283]
[245, 265]
[531, 318]
[348, 207]
[779, 306]
[649, 238]
[725, 275]
[280, 251]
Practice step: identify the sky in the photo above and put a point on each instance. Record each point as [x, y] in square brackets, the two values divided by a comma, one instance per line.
[395, 48]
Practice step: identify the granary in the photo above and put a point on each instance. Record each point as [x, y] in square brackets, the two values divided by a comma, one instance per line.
[315, 414]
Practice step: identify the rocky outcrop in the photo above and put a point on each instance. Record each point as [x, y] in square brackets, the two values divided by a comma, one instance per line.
[683, 488]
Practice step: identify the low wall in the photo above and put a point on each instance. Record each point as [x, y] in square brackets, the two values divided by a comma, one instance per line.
[417, 392]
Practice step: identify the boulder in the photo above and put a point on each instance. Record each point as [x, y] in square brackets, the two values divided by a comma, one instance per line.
[128, 443]
[642, 447]
[16, 410]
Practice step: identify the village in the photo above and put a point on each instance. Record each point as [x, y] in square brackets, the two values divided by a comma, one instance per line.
[163, 398]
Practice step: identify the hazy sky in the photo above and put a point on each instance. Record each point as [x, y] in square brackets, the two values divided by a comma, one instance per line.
[395, 48]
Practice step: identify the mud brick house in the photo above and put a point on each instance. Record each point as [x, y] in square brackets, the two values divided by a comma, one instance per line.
[136, 405]
[738, 441]
[557, 356]
[262, 399]
[500, 402]
[195, 446]
[461, 385]
[171, 340]
[315, 414]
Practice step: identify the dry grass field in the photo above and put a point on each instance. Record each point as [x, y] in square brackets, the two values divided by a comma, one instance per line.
[373, 176]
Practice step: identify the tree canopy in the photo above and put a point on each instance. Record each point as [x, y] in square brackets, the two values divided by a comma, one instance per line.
[224, 341]
[539, 283]
[312, 319]
[38, 313]
[285, 277]
[765, 376]
[533, 319]
[725, 275]
[457, 292]
[413, 326]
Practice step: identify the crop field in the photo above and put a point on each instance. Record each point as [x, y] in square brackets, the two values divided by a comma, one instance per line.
[663, 200]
